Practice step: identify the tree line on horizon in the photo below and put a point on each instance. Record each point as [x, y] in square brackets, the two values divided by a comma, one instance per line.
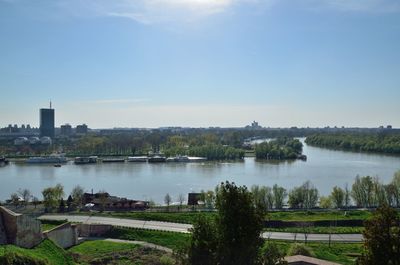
[359, 142]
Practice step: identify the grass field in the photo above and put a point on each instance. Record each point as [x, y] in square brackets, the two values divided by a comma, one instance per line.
[190, 217]
[319, 215]
[167, 239]
[46, 253]
[50, 224]
[343, 253]
[319, 230]
[104, 252]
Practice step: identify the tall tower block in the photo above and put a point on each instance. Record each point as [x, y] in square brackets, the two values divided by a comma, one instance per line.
[47, 122]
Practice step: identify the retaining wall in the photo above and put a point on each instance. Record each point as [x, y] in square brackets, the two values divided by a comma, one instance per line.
[65, 235]
[93, 230]
[3, 236]
[21, 230]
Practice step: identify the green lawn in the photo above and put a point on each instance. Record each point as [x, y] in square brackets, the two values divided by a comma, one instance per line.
[100, 247]
[319, 230]
[190, 217]
[175, 217]
[46, 253]
[319, 215]
[166, 239]
[104, 252]
[50, 224]
[343, 253]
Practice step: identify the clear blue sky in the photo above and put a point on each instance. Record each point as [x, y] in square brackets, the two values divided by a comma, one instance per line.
[151, 63]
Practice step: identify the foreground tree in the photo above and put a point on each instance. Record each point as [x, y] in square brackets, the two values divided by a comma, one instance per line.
[239, 224]
[233, 237]
[382, 238]
[203, 242]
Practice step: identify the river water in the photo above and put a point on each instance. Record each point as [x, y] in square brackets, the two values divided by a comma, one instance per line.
[143, 181]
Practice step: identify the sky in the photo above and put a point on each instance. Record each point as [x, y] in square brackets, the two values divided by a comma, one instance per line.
[200, 63]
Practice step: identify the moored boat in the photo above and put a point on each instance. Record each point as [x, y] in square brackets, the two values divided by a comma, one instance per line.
[113, 160]
[178, 159]
[157, 159]
[137, 159]
[51, 159]
[197, 159]
[85, 160]
[3, 160]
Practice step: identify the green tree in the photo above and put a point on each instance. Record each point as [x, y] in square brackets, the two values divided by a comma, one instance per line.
[271, 254]
[362, 191]
[325, 202]
[304, 197]
[77, 195]
[51, 196]
[382, 238]
[239, 224]
[233, 237]
[338, 196]
[279, 196]
[396, 186]
[203, 243]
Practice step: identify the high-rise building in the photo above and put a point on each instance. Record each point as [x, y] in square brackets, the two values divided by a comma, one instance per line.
[47, 122]
[82, 129]
[66, 130]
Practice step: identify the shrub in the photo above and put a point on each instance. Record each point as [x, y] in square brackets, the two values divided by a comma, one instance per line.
[300, 249]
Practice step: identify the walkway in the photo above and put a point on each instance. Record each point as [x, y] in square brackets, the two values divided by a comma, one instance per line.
[135, 242]
[184, 228]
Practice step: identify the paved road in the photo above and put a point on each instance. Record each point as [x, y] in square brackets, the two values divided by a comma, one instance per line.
[154, 225]
[184, 228]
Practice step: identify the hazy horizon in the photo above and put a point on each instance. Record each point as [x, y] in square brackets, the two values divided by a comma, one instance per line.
[201, 63]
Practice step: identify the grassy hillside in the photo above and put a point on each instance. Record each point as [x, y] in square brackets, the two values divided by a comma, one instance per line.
[47, 253]
[104, 252]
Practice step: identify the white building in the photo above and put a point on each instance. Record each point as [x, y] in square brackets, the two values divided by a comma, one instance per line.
[21, 141]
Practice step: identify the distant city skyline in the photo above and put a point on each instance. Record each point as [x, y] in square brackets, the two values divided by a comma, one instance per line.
[201, 63]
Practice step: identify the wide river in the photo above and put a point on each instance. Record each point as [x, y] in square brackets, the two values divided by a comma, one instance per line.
[143, 181]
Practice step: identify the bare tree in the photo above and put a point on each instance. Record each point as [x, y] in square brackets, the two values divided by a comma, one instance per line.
[103, 199]
[167, 200]
[15, 199]
[35, 201]
[181, 199]
[77, 195]
[347, 199]
[26, 195]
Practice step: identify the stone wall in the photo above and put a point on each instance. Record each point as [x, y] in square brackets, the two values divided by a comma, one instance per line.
[3, 236]
[303, 260]
[21, 230]
[65, 235]
[93, 230]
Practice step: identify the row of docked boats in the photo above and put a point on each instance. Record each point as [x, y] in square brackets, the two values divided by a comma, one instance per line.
[58, 159]
[3, 161]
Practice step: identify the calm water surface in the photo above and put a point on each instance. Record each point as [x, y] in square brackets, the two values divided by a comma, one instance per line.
[325, 168]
